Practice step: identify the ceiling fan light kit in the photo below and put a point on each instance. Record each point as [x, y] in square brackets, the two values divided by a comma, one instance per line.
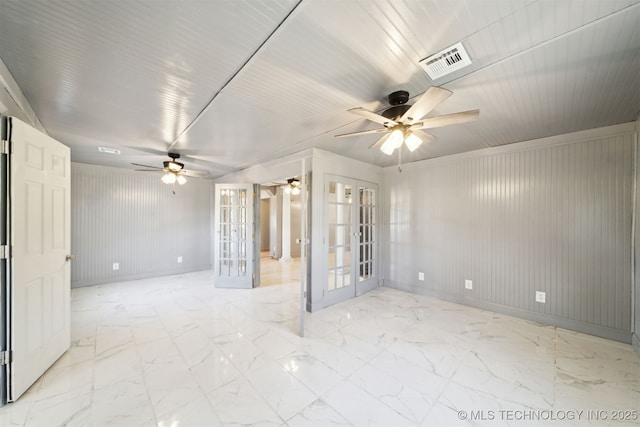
[412, 142]
[395, 140]
[293, 186]
[174, 171]
[168, 178]
[403, 123]
[173, 166]
[172, 178]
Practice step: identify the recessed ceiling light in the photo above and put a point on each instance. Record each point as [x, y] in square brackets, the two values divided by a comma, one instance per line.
[108, 150]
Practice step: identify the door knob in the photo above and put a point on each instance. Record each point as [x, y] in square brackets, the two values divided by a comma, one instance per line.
[71, 258]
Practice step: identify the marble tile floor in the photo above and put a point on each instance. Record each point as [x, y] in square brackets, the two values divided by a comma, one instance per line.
[175, 351]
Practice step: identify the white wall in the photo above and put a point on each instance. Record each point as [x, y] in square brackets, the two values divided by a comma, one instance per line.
[294, 220]
[275, 225]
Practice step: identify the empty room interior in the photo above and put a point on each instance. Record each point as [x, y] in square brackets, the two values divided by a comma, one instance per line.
[319, 213]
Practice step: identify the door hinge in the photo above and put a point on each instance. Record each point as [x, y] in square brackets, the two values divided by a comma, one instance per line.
[7, 147]
[4, 252]
[6, 357]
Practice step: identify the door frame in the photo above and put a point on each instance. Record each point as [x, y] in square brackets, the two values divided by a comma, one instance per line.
[4, 263]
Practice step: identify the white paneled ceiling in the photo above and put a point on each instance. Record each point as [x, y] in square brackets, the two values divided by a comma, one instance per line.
[232, 83]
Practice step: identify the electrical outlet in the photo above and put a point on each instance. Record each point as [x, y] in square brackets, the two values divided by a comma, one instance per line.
[468, 284]
[116, 266]
[541, 297]
[421, 276]
[179, 259]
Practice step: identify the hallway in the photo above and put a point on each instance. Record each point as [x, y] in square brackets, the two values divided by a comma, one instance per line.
[274, 272]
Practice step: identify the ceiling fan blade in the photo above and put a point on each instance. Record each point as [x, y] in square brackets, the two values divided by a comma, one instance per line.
[149, 170]
[448, 119]
[364, 132]
[147, 166]
[374, 117]
[379, 142]
[425, 137]
[427, 102]
[197, 173]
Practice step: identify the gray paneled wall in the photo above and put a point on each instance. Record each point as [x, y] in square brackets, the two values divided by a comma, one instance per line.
[551, 217]
[133, 219]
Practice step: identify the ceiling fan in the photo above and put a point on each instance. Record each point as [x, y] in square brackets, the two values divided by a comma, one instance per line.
[403, 123]
[174, 170]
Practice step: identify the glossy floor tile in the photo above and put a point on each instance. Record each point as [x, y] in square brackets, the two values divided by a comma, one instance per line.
[175, 351]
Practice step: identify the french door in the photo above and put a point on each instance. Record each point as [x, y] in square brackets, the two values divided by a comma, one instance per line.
[234, 256]
[351, 238]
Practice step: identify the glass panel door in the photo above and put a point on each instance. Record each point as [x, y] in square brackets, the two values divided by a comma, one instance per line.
[233, 259]
[351, 238]
[367, 238]
[338, 238]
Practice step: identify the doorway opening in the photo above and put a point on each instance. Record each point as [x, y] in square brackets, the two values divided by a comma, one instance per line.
[280, 218]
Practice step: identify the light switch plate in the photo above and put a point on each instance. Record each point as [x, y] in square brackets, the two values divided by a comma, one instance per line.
[541, 297]
[179, 259]
[421, 276]
[468, 284]
[116, 266]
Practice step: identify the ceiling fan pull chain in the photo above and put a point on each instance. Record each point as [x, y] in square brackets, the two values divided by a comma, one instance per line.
[400, 160]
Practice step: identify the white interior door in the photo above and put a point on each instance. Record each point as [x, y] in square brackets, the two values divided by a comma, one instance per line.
[234, 236]
[39, 276]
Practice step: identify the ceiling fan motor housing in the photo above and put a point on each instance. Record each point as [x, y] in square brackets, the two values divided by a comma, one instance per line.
[396, 111]
[398, 101]
[398, 97]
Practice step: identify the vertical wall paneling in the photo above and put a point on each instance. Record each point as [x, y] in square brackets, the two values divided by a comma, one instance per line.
[133, 219]
[536, 216]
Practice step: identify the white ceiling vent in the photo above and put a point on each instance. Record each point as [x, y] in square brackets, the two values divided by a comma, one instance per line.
[446, 61]
[108, 150]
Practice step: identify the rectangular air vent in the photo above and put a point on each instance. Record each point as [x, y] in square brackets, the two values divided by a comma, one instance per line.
[446, 61]
[108, 150]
